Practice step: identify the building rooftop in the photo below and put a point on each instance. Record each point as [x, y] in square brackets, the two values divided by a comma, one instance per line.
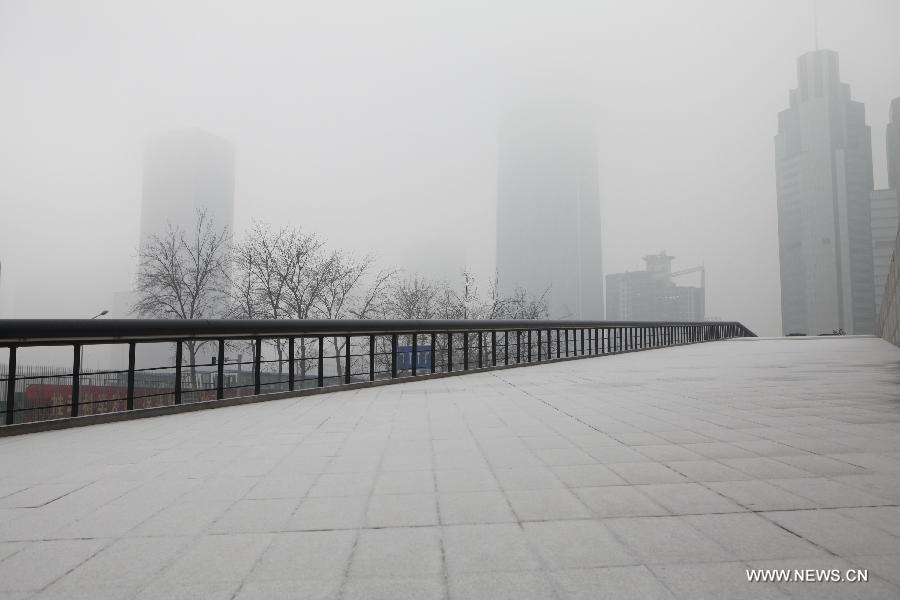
[659, 474]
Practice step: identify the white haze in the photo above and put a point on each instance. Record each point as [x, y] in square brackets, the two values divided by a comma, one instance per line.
[374, 124]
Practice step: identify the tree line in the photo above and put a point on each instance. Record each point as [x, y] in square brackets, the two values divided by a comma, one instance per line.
[286, 273]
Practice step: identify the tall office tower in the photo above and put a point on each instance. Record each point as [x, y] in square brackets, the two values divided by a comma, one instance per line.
[885, 220]
[548, 218]
[886, 207]
[893, 145]
[824, 178]
[186, 171]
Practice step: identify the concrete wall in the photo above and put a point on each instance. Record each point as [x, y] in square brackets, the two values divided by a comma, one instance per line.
[888, 324]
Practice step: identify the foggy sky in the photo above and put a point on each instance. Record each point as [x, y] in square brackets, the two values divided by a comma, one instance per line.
[374, 124]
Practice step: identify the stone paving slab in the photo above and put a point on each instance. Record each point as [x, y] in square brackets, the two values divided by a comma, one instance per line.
[660, 474]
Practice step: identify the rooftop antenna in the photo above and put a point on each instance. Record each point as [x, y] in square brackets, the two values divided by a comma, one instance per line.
[815, 24]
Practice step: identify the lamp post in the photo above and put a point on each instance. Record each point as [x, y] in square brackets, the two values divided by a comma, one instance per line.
[98, 315]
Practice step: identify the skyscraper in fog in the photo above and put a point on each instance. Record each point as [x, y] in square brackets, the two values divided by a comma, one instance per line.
[824, 179]
[186, 171]
[893, 145]
[548, 218]
[886, 207]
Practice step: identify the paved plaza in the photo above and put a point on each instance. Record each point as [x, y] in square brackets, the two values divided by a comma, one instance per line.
[659, 474]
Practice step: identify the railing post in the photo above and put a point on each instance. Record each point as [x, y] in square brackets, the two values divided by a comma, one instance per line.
[320, 376]
[433, 342]
[178, 357]
[347, 360]
[480, 349]
[493, 348]
[449, 351]
[582, 343]
[129, 395]
[567, 341]
[518, 346]
[414, 355]
[539, 345]
[291, 372]
[220, 370]
[11, 387]
[506, 347]
[393, 356]
[371, 358]
[558, 353]
[76, 379]
[257, 366]
[465, 351]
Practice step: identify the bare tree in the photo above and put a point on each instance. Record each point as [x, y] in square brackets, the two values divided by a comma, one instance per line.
[414, 297]
[303, 269]
[341, 279]
[523, 306]
[496, 306]
[258, 280]
[181, 276]
[373, 302]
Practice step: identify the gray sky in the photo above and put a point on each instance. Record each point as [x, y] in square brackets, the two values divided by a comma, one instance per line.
[374, 124]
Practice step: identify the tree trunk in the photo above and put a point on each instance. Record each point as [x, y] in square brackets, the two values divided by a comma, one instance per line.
[337, 357]
[192, 352]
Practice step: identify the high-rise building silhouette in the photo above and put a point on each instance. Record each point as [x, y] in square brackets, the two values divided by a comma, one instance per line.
[548, 218]
[886, 207]
[893, 145]
[885, 220]
[186, 171]
[824, 180]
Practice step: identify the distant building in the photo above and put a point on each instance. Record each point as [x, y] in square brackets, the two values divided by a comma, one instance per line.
[886, 207]
[186, 171]
[893, 145]
[548, 213]
[885, 221]
[824, 180]
[651, 295]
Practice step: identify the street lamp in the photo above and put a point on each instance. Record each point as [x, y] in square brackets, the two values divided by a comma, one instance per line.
[81, 360]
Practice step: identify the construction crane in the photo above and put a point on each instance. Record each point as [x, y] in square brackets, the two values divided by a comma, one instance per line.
[701, 269]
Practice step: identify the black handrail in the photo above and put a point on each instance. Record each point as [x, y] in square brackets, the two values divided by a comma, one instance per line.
[49, 332]
[403, 348]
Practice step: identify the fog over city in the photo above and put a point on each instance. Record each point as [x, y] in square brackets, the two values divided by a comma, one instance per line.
[376, 125]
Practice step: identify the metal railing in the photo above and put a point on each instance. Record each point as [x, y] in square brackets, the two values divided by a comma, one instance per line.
[171, 362]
